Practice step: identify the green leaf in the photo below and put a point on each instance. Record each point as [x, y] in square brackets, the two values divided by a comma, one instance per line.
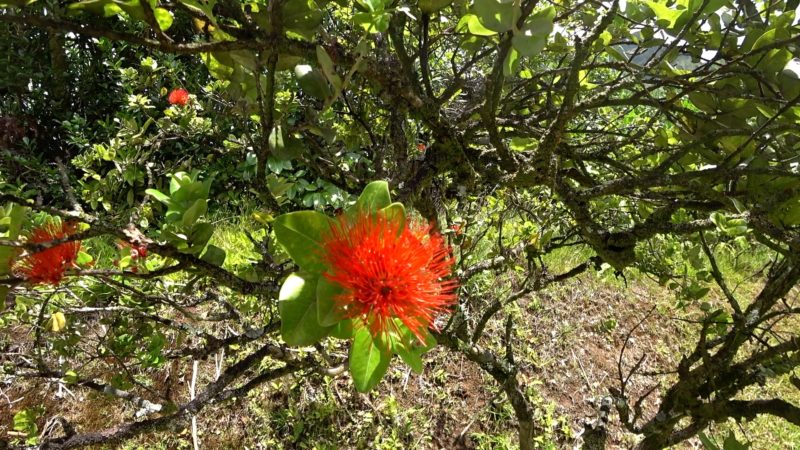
[178, 180]
[775, 61]
[300, 234]
[703, 101]
[605, 38]
[697, 292]
[105, 8]
[301, 17]
[160, 196]
[511, 63]
[369, 359]
[667, 16]
[707, 442]
[83, 259]
[395, 212]
[312, 82]
[410, 349]
[765, 39]
[70, 377]
[374, 5]
[374, 197]
[25, 421]
[343, 329]
[787, 213]
[297, 305]
[214, 255]
[133, 8]
[200, 235]
[531, 39]
[163, 17]
[541, 22]
[431, 6]
[15, 3]
[496, 16]
[204, 7]
[328, 69]
[474, 26]
[15, 216]
[198, 208]
[327, 311]
[219, 64]
[527, 44]
[712, 6]
[373, 22]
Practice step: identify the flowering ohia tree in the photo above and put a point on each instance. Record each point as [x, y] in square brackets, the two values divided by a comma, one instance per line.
[178, 97]
[49, 265]
[369, 275]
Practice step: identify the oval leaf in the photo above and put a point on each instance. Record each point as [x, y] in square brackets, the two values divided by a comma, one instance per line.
[297, 306]
[343, 329]
[369, 359]
[327, 312]
[374, 197]
[58, 322]
[312, 82]
[495, 15]
[160, 196]
[300, 234]
[198, 208]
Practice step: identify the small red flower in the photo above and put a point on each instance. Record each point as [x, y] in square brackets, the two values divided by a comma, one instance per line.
[421, 147]
[48, 266]
[388, 272]
[178, 96]
[456, 227]
[136, 250]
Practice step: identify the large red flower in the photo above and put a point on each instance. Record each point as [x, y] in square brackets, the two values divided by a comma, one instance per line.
[389, 270]
[48, 266]
[178, 96]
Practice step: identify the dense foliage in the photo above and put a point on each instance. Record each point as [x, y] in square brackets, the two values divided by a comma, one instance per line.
[649, 137]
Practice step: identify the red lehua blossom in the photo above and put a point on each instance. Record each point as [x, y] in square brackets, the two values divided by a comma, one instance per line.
[142, 251]
[421, 147]
[48, 266]
[388, 272]
[136, 250]
[178, 96]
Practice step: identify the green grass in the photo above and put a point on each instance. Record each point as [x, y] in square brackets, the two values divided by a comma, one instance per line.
[230, 234]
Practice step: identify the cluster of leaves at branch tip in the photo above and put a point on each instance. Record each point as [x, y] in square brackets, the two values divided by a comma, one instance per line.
[187, 203]
[314, 304]
[487, 18]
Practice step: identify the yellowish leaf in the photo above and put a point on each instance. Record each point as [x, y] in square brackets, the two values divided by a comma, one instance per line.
[58, 321]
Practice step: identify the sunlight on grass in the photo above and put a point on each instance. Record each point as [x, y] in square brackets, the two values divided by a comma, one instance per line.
[230, 235]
